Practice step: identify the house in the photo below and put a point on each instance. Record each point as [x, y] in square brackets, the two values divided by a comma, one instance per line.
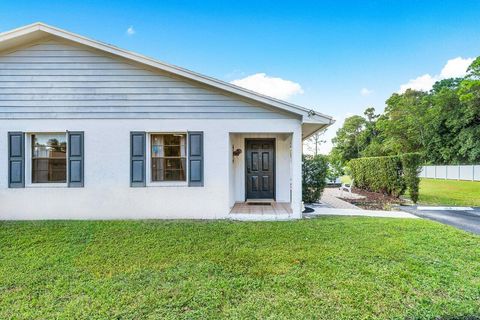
[91, 131]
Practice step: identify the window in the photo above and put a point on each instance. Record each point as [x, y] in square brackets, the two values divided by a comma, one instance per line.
[168, 154]
[49, 158]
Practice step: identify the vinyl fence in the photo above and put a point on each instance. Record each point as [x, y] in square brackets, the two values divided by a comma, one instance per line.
[454, 172]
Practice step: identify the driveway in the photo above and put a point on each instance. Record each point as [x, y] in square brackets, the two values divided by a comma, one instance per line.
[461, 218]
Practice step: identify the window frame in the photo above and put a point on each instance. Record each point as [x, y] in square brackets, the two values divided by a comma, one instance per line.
[149, 181]
[29, 161]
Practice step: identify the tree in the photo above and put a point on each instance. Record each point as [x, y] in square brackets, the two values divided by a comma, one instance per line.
[403, 125]
[315, 141]
[371, 136]
[348, 143]
[467, 140]
[442, 124]
[358, 137]
[473, 71]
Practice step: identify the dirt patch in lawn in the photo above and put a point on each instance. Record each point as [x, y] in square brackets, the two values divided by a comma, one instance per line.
[374, 200]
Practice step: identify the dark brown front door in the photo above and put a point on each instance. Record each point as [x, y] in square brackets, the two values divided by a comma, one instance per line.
[260, 168]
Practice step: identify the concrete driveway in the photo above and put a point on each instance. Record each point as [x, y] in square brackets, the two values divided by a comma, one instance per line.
[461, 218]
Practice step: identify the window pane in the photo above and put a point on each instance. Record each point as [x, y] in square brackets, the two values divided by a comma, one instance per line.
[165, 169]
[49, 158]
[172, 151]
[174, 163]
[157, 169]
[168, 157]
[171, 139]
[157, 146]
[49, 146]
[49, 170]
[174, 175]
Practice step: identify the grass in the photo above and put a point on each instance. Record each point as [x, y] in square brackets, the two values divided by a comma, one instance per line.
[449, 192]
[327, 268]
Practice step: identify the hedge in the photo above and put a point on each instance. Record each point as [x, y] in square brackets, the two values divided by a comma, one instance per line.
[391, 175]
[314, 175]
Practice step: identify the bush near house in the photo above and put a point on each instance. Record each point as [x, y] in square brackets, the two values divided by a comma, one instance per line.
[314, 175]
[391, 175]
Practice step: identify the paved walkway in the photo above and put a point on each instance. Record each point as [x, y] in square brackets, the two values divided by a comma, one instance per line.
[330, 198]
[322, 211]
[331, 205]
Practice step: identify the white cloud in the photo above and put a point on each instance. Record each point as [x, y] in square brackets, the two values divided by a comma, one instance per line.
[130, 31]
[274, 87]
[456, 67]
[422, 83]
[366, 92]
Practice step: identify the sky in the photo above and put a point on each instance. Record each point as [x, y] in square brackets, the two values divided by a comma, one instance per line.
[336, 57]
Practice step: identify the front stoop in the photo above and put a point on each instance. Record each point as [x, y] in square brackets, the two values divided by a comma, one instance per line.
[262, 210]
[261, 217]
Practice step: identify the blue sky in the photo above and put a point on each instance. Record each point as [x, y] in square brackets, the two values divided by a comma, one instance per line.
[327, 51]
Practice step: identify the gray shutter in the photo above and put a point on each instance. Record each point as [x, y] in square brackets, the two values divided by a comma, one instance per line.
[75, 159]
[195, 159]
[137, 159]
[16, 160]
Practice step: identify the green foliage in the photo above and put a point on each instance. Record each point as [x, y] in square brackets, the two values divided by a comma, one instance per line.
[391, 175]
[362, 268]
[411, 165]
[349, 140]
[403, 125]
[378, 174]
[474, 69]
[443, 124]
[314, 175]
[335, 168]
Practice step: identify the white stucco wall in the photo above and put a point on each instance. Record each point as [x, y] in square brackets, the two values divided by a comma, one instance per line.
[107, 193]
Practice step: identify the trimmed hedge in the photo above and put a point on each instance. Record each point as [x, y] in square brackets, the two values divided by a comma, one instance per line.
[391, 175]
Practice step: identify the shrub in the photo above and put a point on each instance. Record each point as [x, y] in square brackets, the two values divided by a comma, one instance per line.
[411, 163]
[391, 175]
[314, 174]
[335, 168]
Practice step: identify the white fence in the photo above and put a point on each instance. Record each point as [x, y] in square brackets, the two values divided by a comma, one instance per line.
[456, 172]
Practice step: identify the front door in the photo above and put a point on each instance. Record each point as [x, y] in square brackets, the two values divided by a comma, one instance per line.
[260, 168]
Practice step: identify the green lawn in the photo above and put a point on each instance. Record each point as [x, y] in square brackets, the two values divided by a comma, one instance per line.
[327, 268]
[449, 192]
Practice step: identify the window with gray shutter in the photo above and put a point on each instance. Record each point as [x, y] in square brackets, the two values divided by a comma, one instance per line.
[195, 159]
[137, 159]
[75, 159]
[16, 160]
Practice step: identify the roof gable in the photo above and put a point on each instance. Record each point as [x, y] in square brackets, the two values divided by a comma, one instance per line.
[39, 31]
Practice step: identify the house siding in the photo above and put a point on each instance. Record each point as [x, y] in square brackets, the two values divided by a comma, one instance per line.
[57, 80]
